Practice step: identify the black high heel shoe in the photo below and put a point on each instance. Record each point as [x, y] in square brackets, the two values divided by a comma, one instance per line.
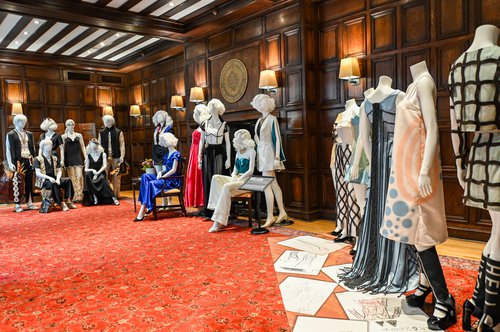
[418, 301]
[470, 309]
[139, 219]
[335, 233]
[442, 323]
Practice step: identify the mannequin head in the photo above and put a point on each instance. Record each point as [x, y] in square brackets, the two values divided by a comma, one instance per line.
[45, 147]
[162, 118]
[384, 81]
[200, 113]
[168, 140]
[486, 35]
[70, 126]
[48, 125]
[263, 103]
[243, 140]
[20, 121]
[216, 107]
[108, 120]
[94, 146]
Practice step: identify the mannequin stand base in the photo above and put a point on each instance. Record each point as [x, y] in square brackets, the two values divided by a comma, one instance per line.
[285, 223]
[258, 231]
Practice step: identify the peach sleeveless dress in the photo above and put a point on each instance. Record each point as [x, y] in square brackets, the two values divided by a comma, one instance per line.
[410, 218]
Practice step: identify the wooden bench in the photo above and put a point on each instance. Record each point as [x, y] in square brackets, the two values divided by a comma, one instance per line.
[247, 198]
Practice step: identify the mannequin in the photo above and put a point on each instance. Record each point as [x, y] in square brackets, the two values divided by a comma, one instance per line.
[163, 124]
[49, 126]
[215, 147]
[270, 155]
[347, 208]
[380, 265]
[97, 189]
[113, 143]
[20, 150]
[71, 157]
[362, 178]
[193, 194]
[152, 184]
[49, 176]
[415, 212]
[224, 187]
[478, 161]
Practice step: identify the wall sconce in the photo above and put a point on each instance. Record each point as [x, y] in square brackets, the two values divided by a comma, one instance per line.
[268, 81]
[349, 70]
[135, 111]
[196, 95]
[17, 108]
[107, 110]
[177, 103]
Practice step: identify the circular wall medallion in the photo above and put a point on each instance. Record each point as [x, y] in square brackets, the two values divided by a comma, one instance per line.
[233, 80]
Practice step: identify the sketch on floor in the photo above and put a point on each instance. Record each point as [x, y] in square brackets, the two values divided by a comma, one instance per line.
[305, 296]
[384, 312]
[312, 244]
[316, 324]
[300, 262]
[333, 273]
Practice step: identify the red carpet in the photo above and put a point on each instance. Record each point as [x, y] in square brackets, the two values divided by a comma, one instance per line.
[94, 269]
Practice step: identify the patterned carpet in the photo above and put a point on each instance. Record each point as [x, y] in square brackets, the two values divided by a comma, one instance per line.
[94, 269]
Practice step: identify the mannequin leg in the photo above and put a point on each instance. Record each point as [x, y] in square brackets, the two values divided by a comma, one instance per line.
[165, 200]
[269, 192]
[278, 195]
[360, 196]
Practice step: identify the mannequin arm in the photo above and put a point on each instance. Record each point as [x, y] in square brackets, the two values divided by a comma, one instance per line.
[357, 157]
[87, 168]
[200, 148]
[104, 163]
[8, 155]
[278, 146]
[61, 151]
[39, 174]
[172, 171]
[122, 147]
[228, 150]
[58, 175]
[455, 141]
[251, 167]
[364, 135]
[82, 145]
[425, 91]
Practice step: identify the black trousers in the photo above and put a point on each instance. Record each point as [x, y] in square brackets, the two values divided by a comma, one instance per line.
[28, 179]
[214, 158]
[55, 189]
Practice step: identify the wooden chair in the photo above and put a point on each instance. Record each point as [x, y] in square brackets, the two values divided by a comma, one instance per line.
[247, 198]
[172, 193]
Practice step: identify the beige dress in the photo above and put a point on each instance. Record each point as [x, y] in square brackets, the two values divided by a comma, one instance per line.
[410, 218]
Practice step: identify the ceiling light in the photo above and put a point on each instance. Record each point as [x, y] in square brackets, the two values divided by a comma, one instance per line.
[16, 42]
[171, 4]
[102, 44]
[89, 51]
[118, 35]
[37, 22]
[26, 32]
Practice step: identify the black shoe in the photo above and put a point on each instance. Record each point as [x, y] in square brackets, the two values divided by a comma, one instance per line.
[448, 307]
[138, 219]
[470, 309]
[418, 301]
[336, 233]
[352, 252]
[344, 239]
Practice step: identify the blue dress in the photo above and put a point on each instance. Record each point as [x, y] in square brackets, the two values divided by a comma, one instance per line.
[151, 187]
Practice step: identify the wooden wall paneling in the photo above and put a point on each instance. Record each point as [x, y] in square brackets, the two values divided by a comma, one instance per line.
[292, 47]
[330, 10]
[296, 189]
[294, 120]
[200, 72]
[34, 92]
[120, 96]
[13, 90]
[273, 51]
[57, 114]
[293, 88]
[282, 18]
[43, 73]
[328, 44]
[35, 115]
[411, 58]
[104, 95]
[121, 117]
[487, 12]
[248, 30]
[327, 190]
[145, 93]
[446, 55]
[194, 50]
[89, 94]
[294, 151]
[136, 94]
[385, 66]
[459, 25]
[7, 70]
[354, 37]
[329, 85]
[375, 3]
[443, 110]
[154, 93]
[72, 113]
[220, 41]
[383, 30]
[92, 114]
[415, 23]
[162, 82]
[54, 93]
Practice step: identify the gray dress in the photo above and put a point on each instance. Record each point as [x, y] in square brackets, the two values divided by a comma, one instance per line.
[380, 264]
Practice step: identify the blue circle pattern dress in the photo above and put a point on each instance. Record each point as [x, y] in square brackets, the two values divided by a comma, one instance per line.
[151, 186]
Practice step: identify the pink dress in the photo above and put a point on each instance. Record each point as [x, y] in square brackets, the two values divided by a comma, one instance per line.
[193, 195]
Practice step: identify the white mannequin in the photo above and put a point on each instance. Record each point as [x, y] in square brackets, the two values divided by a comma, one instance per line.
[73, 171]
[215, 108]
[94, 151]
[200, 114]
[269, 162]
[162, 120]
[109, 121]
[20, 121]
[50, 126]
[485, 36]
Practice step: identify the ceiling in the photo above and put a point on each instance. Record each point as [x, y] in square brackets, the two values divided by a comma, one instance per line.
[109, 33]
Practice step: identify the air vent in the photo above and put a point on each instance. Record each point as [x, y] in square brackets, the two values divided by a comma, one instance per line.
[111, 79]
[73, 76]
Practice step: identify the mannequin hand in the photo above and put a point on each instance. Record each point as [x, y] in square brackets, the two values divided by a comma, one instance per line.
[95, 177]
[461, 177]
[199, 164]
[228, 163]
[121, 160]
[58, 181]
[276, 164]
[234, 177]
[94, 171]
[424, 185]
[12, 167]
[158, 176]
[52, 180]
[354, 171]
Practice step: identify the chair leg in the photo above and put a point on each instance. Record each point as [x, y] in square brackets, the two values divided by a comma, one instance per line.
[181, 202]
[249, 203]
[154, 210]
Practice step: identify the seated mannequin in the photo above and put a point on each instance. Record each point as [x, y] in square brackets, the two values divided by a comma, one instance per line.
[49, 176]
[97, 189]
[224, 187]
[153, 184]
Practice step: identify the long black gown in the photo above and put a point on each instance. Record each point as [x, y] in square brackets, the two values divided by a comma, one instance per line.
[99, 187]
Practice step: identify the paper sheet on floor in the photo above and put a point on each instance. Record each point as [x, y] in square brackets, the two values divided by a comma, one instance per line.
[385, 312]
[300, 262]
[308, 324]
[333, 271]
[305, 296]
[313, 244]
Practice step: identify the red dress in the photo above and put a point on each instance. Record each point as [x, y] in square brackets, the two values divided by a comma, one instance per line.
[193, 195]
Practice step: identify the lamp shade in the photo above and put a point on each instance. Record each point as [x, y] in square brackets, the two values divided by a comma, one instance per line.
[176, 102]
[349, 69]
[17, 108]
[107, 110]
[267, 79]
[135, 110]
[196, 95]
